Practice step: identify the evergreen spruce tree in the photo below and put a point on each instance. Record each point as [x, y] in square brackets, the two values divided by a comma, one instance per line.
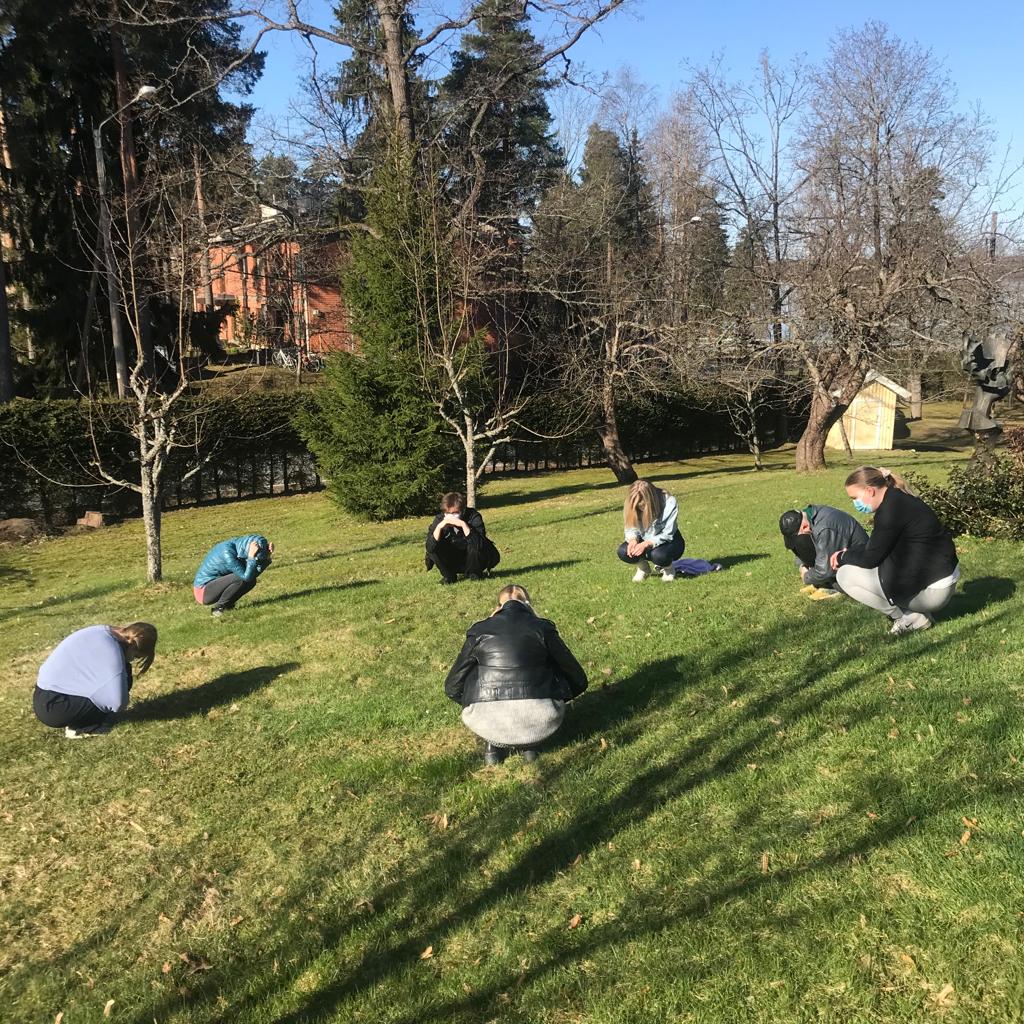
[495, 96]
[373, 431]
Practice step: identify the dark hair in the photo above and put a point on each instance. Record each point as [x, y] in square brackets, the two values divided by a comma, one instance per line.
[453, 499]
[790, 522]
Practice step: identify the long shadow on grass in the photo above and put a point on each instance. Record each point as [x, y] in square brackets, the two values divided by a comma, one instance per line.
[225, 689]
[328, 588]
[508, 572]
[529, 497]
[658, 755]
[47, 603]
[730, 560]
[977, 594]
[391, 542]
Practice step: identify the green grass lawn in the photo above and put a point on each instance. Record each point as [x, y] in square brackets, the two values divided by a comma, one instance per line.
[764, 809]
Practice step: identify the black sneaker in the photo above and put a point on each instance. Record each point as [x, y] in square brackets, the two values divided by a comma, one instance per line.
[529, 755]
[217, 613]
[473, 576]
[494, 755]
[447, 581]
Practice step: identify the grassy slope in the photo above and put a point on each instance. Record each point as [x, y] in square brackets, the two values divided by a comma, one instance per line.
[756, 812]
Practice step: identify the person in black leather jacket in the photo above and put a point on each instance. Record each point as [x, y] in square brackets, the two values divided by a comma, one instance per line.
[513, 678]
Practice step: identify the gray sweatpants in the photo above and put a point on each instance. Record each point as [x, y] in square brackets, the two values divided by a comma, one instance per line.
[864, 586]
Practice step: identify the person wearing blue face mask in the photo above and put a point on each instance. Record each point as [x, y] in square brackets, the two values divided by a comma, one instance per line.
[908, 570]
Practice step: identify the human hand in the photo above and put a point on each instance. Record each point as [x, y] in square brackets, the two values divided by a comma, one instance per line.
[254, 548]
[834, 559]
[803, 572]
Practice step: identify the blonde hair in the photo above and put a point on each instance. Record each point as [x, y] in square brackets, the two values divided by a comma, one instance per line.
[644, 504]
[871, 476]
[140, 637]
[513, 592]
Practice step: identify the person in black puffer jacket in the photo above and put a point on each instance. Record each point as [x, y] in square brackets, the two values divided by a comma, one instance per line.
[909, 568]
[513, 678]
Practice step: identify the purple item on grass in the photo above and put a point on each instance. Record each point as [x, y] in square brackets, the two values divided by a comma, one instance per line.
[695, 566]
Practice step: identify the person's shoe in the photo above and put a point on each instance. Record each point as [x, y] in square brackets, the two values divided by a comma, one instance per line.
[668, 575]
[494, 755]
[447, 581]
[217, 613]
[640, 575]
[824, 594]
[473, 576]
[529, 755]
[87, 731]
[809, 589]
[911, 623]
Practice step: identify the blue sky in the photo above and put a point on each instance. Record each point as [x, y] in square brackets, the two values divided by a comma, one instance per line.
[981, 45]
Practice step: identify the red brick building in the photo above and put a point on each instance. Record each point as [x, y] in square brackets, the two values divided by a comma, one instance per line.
[279, 287]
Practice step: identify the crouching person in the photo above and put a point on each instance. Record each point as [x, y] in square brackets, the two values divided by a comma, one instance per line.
[86, 680]
[513, 678]
[231, 570]
[651, 518]
[814, 535]
[457, 542]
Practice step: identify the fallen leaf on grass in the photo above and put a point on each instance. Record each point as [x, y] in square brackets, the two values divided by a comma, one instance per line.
[607, 670]
[108, 1007]
[577, 861]
[591, 620]
[58, 1018]
[427, 953]
[438, 820]
[236, 921]
[966, 837]
[764, 863]
[604, 743]
[575, 921]
[944, 997]
[166, 967]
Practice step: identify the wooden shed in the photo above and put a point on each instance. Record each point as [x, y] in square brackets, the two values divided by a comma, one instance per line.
[871, 418]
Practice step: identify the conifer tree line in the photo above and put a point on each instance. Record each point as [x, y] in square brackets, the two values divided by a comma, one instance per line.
[755, 240]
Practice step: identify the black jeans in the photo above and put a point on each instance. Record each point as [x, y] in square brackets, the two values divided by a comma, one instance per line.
[662, 556]
[61, 709]
[472, 555]
[226, 590]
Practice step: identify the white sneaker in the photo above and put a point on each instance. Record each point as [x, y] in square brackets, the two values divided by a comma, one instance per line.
[911, 623]
[668, 575]
[84, 734]
[640, 575]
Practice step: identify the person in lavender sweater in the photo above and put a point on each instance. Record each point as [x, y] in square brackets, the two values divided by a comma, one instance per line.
[87, 678]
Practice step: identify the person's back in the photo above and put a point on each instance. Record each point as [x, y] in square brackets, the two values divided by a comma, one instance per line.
[89, 663]
[513, 678]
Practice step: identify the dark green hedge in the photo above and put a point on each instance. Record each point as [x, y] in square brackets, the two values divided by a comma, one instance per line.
[249, 446]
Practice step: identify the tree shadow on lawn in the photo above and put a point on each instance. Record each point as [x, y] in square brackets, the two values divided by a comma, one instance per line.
[512, 498]
[430, 901]
[310, 592]
[198, 700]
[510, 573]
[15, 574]
[976, 594]
[324, 556]
[78, 595]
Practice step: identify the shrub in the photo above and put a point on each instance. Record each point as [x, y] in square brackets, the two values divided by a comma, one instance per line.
[988, 502]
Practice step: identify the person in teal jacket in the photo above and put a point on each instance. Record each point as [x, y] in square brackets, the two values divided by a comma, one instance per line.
[230, 570]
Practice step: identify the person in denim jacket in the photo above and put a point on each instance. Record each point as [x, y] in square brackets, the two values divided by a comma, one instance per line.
[650, 517]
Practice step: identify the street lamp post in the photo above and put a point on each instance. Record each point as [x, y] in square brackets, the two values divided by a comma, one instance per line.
[113, 291]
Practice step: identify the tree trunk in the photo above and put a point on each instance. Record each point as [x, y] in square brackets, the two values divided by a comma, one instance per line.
[608, 430]
[470, 471]
[6, 362]
[205, 272]
[914, 387]
[810, 449]
[390, 15]
[151, 524]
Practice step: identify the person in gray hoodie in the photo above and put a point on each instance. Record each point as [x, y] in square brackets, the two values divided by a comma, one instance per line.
[813, 535]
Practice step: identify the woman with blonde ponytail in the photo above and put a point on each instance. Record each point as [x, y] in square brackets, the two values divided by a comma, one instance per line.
[513, 678]
[87, 678]
[908, 570]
